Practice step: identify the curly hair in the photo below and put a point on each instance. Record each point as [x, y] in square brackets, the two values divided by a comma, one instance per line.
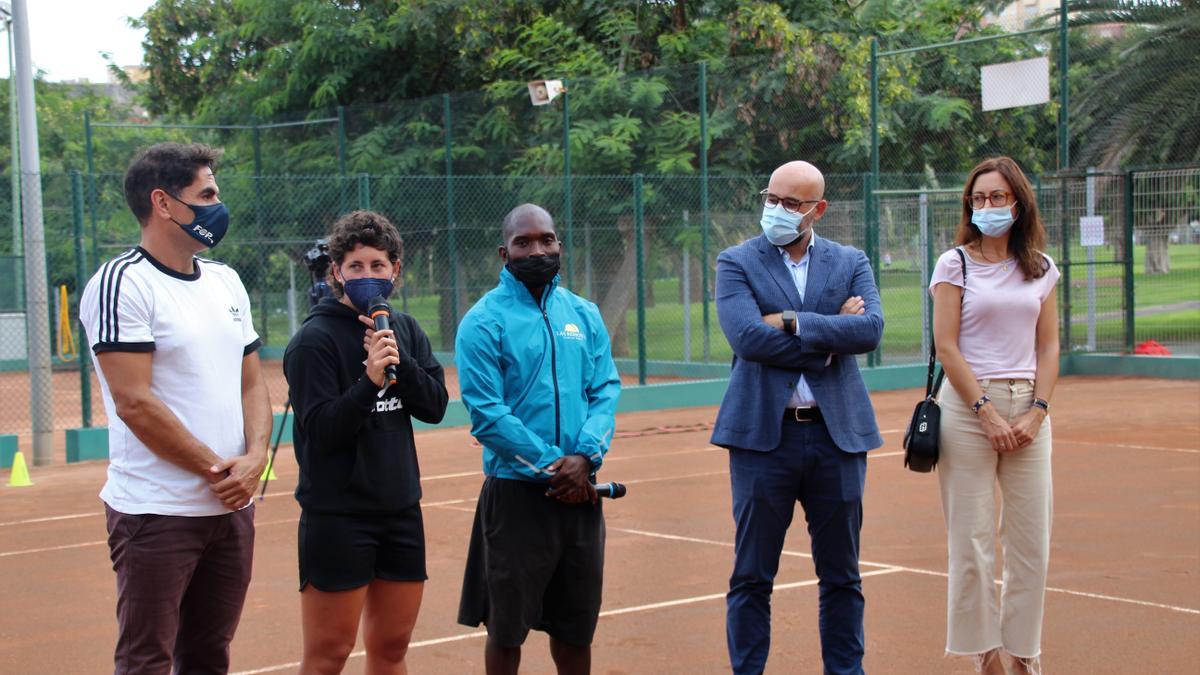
[1028, 234]
[361, 228]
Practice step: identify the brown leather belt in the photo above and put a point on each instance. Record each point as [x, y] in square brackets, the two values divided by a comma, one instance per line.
[802, 415]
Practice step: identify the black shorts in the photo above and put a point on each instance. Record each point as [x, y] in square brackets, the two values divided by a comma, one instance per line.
[340, 551]
[533, 563]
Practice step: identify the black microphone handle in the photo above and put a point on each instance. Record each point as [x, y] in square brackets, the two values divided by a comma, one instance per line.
[380, 311]
[612, 490]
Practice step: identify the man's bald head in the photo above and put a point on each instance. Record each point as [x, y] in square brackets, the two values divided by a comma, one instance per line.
[798, 179]
[525, 215]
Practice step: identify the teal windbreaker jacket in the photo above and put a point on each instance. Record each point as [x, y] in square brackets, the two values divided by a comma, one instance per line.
[538, 379]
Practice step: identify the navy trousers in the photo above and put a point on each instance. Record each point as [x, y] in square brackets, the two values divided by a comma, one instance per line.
[806, 467]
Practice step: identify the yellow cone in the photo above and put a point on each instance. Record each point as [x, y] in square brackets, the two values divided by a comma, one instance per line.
[269, 471]
[20, 473]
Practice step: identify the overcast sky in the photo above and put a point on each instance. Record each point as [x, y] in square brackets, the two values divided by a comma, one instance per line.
[67, 37]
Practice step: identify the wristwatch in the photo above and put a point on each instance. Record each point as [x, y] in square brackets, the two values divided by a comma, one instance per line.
[1043, 404]
[789, 321]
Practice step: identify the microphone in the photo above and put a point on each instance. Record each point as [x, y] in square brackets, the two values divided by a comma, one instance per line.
[611, 490]
[380, 311]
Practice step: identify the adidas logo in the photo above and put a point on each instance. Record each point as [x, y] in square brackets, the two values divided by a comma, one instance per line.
[235, 313]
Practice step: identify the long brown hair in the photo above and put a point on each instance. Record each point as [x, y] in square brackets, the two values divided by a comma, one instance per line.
[1028, 236]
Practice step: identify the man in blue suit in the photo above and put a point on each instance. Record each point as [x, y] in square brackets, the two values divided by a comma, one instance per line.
[796, 419]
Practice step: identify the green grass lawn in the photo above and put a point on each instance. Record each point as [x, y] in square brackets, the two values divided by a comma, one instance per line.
[901, 293]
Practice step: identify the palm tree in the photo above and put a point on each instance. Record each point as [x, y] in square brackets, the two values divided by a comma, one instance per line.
[1144, 107]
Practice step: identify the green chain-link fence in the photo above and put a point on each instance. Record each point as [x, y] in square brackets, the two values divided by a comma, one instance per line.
[659, 172]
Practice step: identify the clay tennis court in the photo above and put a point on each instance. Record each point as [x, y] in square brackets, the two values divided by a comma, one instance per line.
[1124, 571]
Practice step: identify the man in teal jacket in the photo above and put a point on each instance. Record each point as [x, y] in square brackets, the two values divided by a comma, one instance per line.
[536, 372]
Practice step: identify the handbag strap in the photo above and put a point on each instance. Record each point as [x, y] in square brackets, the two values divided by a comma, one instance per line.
[930, 384]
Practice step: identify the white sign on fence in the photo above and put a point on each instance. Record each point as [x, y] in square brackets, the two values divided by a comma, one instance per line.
[1014, 84]
[1091, 230]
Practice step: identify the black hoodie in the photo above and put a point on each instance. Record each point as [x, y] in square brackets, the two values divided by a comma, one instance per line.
[354, 447]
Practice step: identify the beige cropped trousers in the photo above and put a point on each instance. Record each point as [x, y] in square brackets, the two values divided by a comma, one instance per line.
[968, 471]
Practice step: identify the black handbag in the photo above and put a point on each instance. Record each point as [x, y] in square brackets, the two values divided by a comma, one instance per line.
[921, 438]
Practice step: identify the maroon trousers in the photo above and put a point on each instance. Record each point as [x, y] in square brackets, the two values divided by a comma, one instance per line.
[181, 583]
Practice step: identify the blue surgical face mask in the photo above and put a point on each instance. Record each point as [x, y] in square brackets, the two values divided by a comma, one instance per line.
[780, 227]
[210, 224]
[362, 291]
[993, 222]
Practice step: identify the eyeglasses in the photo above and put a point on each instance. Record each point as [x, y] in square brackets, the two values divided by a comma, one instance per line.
[790, 205]
[997, 198]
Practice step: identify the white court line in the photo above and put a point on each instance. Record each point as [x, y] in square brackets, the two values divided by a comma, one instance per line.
[89, 514]
[612, 612]
[1130, 446]
[48, 519]
[916, 570]
[721, 596]
[53, 548]
[464, 474]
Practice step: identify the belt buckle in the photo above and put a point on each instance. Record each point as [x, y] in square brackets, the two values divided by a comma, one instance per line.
[796, 414]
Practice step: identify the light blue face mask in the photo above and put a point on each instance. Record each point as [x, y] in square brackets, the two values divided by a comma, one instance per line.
[993, 222]
[780, 227]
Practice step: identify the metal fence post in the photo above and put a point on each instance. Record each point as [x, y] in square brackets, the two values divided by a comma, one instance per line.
[85, 381]
[926, 244]
[639, 233]
[1130, 314]
[258, 197]
[567, 208]
[452, 244]
[341, 150]
[364, 191]
[91, 173]
[1064, 139]
[15, 166]
[1091, 264]
[1063, 195]
[685, 291]
[872, 205]
[704, 206]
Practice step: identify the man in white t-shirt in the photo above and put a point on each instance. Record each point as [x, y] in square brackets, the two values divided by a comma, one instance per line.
[189, 419]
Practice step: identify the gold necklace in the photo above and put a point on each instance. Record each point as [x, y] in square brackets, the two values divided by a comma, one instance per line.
[983, 254]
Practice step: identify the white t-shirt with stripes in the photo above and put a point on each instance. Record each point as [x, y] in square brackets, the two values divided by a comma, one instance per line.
[198, 329]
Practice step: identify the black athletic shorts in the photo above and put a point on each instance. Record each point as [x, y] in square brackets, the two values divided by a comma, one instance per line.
[340, 551]
[533, 563]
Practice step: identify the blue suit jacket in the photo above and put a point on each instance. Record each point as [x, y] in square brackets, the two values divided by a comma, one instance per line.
[753, 280]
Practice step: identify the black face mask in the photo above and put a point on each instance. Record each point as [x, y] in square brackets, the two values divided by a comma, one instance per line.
[535, 271]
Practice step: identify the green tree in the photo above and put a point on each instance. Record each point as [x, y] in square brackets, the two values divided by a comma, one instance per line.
[786, 79]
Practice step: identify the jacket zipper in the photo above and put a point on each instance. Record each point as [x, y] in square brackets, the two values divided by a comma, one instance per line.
[553, 370]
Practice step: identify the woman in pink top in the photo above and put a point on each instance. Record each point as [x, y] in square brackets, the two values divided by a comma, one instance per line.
[995, 324]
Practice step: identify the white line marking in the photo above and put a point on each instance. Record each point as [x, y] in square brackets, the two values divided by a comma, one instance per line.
[71, 516]
[916, 570]
[444, 476]
[1130, 446]
[612, 612]
[721, 596]
[53, 548]
[467, 474]
[48, 519]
